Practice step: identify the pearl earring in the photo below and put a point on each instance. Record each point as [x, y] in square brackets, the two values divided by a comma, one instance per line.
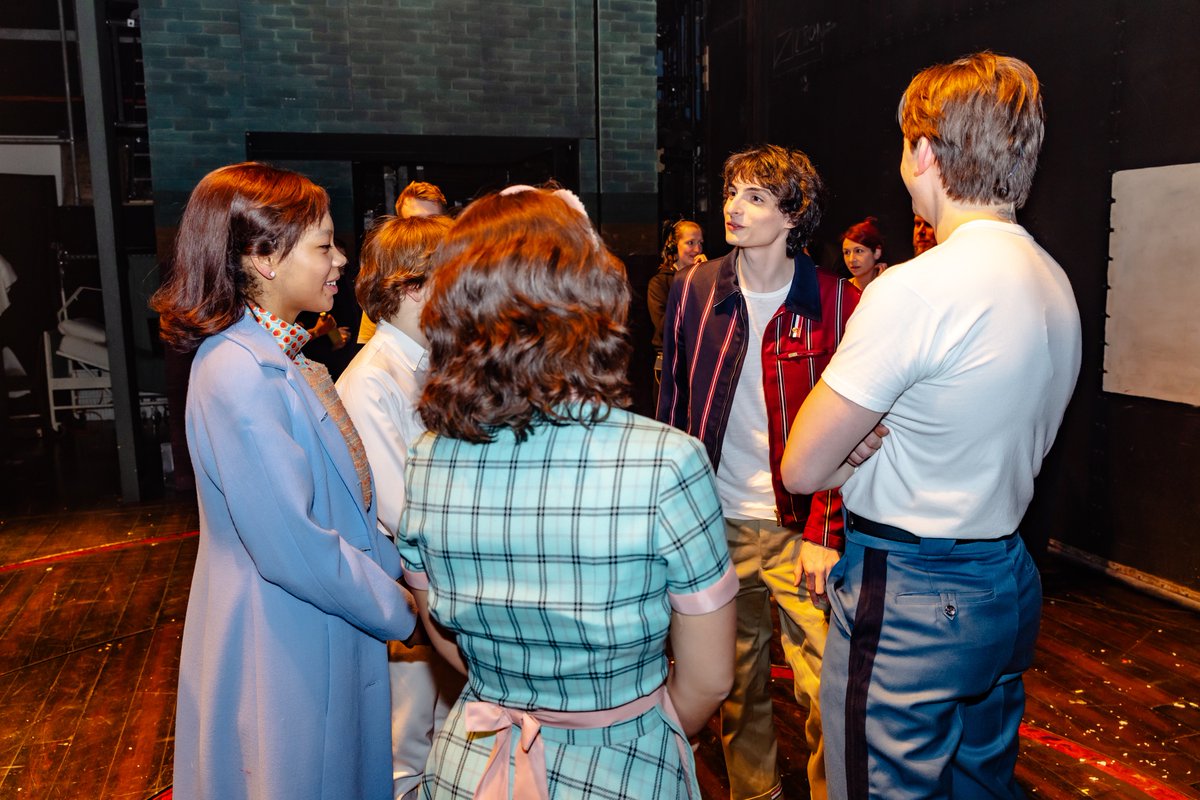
[272, 275]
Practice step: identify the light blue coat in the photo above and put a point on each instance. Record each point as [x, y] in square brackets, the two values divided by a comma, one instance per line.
[283, 682]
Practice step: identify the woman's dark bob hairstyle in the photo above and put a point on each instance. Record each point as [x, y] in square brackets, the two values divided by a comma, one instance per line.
[525, 320]
[237, 211]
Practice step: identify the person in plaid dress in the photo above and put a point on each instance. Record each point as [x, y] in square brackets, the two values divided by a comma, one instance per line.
[552, 539]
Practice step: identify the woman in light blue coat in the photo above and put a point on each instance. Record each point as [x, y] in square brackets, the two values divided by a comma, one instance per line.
[283, 683]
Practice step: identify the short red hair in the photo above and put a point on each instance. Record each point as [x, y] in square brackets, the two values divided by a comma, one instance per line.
[396, 257]
[420, 190]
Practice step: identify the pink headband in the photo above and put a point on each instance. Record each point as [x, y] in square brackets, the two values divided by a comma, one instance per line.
[566, 195]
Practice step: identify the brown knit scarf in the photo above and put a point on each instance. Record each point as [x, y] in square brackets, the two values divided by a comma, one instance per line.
[318, 378]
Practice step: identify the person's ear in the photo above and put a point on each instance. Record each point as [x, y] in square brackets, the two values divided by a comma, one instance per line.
[416, 294]
[264, 266]
[878, 253]
[924, 157]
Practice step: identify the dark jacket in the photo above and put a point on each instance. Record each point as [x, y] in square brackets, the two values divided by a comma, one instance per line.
[657, 292]
[705, 344]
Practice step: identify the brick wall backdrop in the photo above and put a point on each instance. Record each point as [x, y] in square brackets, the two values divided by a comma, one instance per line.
[218, 68]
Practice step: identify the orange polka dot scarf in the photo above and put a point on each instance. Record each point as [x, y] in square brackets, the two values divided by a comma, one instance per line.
[288, 335]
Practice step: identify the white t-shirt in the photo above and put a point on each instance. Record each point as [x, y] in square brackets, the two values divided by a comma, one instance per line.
[744, 472]
[972, 350]
[380, 389]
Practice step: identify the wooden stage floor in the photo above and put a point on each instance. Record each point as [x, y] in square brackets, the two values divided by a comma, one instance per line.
[91, 612]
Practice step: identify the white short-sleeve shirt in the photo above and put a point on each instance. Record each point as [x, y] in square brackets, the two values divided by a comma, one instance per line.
[971, 350]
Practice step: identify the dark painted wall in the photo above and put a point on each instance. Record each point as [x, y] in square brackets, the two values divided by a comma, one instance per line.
[216, 69]
[1120, 82]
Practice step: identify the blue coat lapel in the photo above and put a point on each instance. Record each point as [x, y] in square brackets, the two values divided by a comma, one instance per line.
[249, 334]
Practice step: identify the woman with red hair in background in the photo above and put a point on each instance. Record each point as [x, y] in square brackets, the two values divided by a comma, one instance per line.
[862, 249]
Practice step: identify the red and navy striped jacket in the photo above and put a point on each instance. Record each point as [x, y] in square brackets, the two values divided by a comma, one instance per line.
[705, 343]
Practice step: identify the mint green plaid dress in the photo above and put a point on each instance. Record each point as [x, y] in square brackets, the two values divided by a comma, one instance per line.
[554, 561]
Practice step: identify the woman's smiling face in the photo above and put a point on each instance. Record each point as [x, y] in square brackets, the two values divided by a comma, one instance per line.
[306, 278]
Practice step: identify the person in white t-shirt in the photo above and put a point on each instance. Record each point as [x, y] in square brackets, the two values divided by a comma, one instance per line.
[380, 389]
[968, 355]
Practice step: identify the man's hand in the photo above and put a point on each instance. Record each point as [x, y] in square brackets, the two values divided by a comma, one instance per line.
[867, 447]
[325, 323]
[343, 336]
[813, 568]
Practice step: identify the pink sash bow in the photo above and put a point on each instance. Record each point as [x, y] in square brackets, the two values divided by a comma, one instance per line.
[529, 780]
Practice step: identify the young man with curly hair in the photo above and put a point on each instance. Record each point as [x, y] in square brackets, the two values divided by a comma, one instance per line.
[746, 337]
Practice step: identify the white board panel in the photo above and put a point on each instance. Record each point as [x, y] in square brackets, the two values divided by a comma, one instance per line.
[1152, 335]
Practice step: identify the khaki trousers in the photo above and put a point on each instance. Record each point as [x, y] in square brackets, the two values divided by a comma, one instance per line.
[765, 556]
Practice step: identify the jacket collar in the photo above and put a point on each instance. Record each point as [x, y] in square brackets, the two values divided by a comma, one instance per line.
[247, 333]
[255, 338]
[804, 296]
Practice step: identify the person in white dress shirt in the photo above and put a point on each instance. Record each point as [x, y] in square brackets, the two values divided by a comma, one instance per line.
[418, 199]
[380, 389]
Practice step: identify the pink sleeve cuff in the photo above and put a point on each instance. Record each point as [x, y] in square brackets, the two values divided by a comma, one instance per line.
[415, 580]
[706, 600]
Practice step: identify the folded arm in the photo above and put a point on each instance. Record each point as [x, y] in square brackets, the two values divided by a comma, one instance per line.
[827, 430]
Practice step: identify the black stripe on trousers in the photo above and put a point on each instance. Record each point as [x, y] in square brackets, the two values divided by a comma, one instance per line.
[864, 641]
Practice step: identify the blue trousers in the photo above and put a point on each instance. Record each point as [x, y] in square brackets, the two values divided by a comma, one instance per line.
[921, 683]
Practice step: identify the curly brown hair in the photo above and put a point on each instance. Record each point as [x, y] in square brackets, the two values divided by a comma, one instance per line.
[791, 177]
[240, 210]
[525, 320]
[395, 260]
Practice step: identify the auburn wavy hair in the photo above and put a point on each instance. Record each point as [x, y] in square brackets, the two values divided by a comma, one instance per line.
[236, 211]
[395, 260]
[866, 233]
[525, 319]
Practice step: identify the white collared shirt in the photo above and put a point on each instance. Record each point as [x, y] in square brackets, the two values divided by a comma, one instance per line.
[380, 389]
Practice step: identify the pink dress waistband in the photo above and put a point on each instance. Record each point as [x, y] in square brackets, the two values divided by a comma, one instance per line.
[529, 780]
